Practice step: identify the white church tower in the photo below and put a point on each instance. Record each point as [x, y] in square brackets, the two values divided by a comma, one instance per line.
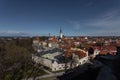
[60, 34]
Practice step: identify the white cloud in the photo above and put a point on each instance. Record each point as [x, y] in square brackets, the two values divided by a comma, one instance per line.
[108, 23]
[107, 18]
[14, 33]
[89, 4]
[75, 24]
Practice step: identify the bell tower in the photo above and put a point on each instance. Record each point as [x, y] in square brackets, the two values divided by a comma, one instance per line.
[61, 34]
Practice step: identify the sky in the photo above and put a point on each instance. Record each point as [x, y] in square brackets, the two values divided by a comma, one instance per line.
[75, 17]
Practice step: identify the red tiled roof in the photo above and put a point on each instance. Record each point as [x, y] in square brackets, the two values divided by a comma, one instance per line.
[79, 53]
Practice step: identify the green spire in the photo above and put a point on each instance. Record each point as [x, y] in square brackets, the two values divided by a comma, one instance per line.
[60, 30]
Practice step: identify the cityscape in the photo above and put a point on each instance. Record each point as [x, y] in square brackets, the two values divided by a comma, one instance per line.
[59, 40]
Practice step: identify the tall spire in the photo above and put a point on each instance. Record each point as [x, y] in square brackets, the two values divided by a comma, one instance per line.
[61, 34]
[48, 36]
[60, 30]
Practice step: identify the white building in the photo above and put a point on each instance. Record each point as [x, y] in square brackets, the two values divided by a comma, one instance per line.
[54, 59]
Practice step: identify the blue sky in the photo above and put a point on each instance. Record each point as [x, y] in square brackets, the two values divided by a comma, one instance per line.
[75, 17]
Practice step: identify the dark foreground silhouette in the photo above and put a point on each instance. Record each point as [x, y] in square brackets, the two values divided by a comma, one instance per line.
[103, 68]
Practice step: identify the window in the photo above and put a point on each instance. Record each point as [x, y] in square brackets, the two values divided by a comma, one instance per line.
[54, 69]
[59, 67]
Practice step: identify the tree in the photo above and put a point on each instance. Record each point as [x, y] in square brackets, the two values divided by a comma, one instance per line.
[14, 57]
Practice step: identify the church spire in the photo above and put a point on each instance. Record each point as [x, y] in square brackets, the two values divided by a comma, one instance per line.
[61, 34]
[60, 30]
